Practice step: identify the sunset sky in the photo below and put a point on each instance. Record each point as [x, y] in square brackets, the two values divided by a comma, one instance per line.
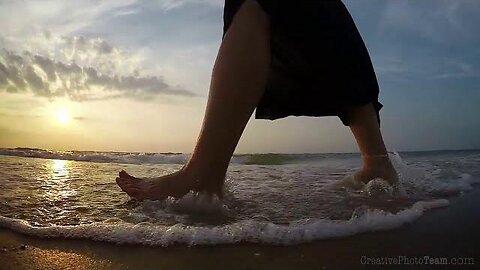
[127, 75]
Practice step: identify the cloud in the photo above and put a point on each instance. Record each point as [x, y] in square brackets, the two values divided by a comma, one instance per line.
[81, 69]
[390, 66]
[64, 17]
[95, 52]
[456, 69]
[151, 36]
[19, 115]
[173, 4]
[440, 21]
[23, 115]
[70, 17]
[48, 78]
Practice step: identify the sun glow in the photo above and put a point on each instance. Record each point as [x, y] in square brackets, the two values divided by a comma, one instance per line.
[63, 117]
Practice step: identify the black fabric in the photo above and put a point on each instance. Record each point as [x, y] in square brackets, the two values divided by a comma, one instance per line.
[319, 66]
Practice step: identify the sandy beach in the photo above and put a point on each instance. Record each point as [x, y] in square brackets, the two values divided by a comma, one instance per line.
[451, 232]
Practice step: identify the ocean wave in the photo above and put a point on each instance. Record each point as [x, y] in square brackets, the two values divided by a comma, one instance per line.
[156, 158]
[101, 157]
[418, 180]
[301, 231]
[181, 158]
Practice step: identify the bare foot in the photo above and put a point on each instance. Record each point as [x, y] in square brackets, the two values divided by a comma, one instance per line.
[382, 168]
[176, 185]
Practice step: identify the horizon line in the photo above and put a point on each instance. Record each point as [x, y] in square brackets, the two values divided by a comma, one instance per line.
[242, 153]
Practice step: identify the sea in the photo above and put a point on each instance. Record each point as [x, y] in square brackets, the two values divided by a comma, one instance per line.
[276, 199]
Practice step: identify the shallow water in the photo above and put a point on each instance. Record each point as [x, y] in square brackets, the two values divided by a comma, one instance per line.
[272, 198]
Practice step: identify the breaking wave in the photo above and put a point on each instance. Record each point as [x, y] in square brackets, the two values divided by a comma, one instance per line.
[251, 231]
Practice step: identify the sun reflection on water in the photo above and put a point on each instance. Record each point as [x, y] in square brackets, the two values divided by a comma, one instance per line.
[58, 183]
[60, 168]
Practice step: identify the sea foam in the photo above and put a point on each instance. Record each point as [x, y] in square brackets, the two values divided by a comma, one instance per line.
[300, 231]
[144, 223]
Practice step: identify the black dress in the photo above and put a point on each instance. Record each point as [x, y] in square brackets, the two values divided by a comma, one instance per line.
[319, 63]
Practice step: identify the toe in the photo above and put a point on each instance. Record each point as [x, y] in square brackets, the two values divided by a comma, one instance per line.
[124, 174]
[119, 181]
[125, 184]
[127, 187]
[122, 184]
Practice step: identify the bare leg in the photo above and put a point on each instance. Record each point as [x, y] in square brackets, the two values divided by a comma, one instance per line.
[238, 81]
[365, 128]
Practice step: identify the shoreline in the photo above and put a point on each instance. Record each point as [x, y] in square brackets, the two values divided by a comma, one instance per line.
[449, 232]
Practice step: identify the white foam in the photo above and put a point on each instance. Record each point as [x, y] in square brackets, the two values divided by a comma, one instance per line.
[378, 187]
[199, 203]
[300, 231]
[413, 180]
[192, 203]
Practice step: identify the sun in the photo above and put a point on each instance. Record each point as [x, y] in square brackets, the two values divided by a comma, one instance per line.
[63, 117]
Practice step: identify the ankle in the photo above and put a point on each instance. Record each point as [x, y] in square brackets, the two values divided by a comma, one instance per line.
[204, 175]
[377, 166]
[376, 160]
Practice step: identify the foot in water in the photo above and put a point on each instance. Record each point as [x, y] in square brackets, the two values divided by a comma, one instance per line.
[176, 185]
[380, 168]
[366, 174]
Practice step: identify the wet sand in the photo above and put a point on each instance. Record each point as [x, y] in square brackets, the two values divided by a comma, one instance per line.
[450, 232]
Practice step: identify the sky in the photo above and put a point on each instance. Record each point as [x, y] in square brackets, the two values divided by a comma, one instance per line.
[133, 75]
